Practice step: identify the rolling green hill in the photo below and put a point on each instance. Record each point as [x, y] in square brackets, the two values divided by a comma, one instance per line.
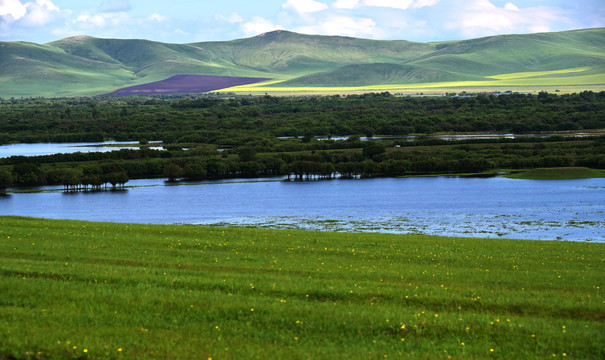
[377, 73]
[89, 66]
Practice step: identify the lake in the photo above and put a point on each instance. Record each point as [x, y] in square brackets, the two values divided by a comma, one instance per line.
[451, 137]
[65, 148]
[455, 206]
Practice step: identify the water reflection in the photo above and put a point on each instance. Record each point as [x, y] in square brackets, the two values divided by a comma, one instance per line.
[94, 192]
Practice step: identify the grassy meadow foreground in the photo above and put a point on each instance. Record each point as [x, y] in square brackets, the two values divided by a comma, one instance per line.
[85, 290]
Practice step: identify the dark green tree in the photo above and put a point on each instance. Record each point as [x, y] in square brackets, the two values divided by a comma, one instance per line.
[373, 149]
[6, 180]
[172, 171]
[246, 153]
[194, 170]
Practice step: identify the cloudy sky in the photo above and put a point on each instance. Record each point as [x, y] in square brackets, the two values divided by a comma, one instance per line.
[185, 21]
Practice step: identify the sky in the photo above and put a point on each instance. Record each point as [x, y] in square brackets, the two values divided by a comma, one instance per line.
[187, 21]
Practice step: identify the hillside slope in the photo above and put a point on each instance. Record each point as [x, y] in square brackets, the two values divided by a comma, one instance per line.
[478, 58]
[88, 66]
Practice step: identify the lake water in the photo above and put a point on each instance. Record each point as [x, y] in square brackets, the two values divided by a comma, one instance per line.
[452, 137]
[65, 148]
[480, 207]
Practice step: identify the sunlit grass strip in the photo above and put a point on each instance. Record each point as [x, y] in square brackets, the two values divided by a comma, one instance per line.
[251, 86]
[587, 80]
[74, 289]
[578, 80]
[267, 87]
[521, 75]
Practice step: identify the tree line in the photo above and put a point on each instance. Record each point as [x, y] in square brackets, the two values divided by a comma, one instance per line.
[211, 138]
[351, 159]
[228, 121]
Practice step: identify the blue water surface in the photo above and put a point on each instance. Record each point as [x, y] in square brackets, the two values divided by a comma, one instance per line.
[479, 207]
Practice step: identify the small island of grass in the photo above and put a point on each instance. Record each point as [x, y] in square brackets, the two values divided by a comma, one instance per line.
[558, 173]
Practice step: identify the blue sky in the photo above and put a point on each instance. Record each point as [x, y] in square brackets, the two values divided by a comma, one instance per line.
[186, 21]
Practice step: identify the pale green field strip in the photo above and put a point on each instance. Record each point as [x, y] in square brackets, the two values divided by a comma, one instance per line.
[530, 74]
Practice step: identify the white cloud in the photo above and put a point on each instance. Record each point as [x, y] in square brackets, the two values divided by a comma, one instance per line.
[488, 20]
[109, 6]
[341, 25]
[259, 25]
[395, 4]
[48, 5]
[305, 6]
[97, 20]
[539, 28]
[482, 18]
[511, 6]
[347, 4]
[29, 14]
[11, 10]
[157, 17]
[234, 18]
[478, 4]
[424, 3]
[112, 21]
[39, 13]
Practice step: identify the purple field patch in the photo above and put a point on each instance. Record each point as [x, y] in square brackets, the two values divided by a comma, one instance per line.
[187, 84]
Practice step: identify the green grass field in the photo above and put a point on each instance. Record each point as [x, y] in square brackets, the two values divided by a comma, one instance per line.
[82, 290]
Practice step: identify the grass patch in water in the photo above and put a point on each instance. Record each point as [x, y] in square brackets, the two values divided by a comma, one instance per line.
[558, 173]
[85, 290]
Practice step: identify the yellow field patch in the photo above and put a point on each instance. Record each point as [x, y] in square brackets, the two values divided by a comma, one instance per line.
[496, 81]
[252, 86]
[521, 75]
[268, 88]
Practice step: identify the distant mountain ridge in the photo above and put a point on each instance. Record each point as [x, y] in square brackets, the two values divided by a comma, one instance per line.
[85, 65]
